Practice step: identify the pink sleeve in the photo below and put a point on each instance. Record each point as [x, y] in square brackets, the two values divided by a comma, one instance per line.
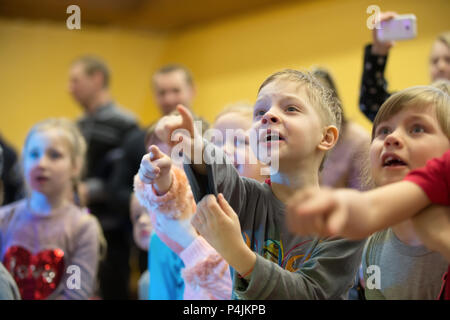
[434, 179]
[206, 274]
[177, 203]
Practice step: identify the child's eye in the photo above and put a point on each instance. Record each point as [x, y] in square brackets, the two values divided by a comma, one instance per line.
[383, 131]
[291, 109]
[54, 154]
[34, 154]
[417, 129]
[259, 113]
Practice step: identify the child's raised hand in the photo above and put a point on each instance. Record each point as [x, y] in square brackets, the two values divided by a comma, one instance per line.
[217, 222]
[378, 47]
[174, 129]
[155, 169]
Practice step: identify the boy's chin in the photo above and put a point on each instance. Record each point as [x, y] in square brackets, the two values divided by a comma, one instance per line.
[385, 180]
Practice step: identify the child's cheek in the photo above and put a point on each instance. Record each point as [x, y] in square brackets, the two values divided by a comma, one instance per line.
[30, 175]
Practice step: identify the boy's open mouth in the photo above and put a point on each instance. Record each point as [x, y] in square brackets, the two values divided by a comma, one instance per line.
[272, 136]
[391, 160]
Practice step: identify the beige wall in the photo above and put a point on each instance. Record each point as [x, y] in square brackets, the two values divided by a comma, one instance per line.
[229, 58]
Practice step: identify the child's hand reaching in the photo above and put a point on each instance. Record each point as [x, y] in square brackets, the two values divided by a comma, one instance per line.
[155, 169]
[176, 129]
[217, 222]
[326, 213]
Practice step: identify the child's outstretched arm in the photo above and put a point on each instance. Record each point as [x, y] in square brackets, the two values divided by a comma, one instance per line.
[217, 222]
[206, 273]
[353, 214]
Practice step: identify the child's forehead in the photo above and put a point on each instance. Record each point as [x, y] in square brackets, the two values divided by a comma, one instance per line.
[51, 137]
[412, 111]
[283, 88]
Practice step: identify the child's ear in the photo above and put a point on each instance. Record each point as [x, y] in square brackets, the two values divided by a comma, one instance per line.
[329, 138]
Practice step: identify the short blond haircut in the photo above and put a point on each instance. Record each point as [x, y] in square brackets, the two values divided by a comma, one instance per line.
[328, 106]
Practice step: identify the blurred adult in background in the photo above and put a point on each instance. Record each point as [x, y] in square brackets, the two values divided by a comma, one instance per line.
[171, 85]
[344, 163]
[374, 85]
[104, 126]
[13, 187]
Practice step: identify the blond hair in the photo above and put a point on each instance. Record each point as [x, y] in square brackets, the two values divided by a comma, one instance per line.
[74, 138]
[417, 97]
[323, 99]
[328, 106]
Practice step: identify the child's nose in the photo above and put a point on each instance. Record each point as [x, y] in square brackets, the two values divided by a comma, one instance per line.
[270, 117]
[42, 161]
[393, 140]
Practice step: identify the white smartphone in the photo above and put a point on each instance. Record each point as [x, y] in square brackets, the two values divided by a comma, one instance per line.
[402, 27]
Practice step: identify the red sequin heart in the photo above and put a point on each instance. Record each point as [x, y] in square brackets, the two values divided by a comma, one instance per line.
[36, 275]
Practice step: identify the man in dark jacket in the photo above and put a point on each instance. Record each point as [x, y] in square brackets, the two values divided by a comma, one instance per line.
[104, 126]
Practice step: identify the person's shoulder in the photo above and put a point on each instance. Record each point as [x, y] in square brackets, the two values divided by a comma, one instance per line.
[10, 208]
[135, 136]
[81, 217]
[117, 116]
[377, 239]
[125, 114]
[10, 212]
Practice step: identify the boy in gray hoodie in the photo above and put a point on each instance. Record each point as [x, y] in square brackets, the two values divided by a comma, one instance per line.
[296, 122]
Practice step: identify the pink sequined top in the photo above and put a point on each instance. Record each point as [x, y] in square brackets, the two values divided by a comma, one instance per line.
[206, 274]
[50, 257]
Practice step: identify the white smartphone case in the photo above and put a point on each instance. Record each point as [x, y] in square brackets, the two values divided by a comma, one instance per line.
[402, 27]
